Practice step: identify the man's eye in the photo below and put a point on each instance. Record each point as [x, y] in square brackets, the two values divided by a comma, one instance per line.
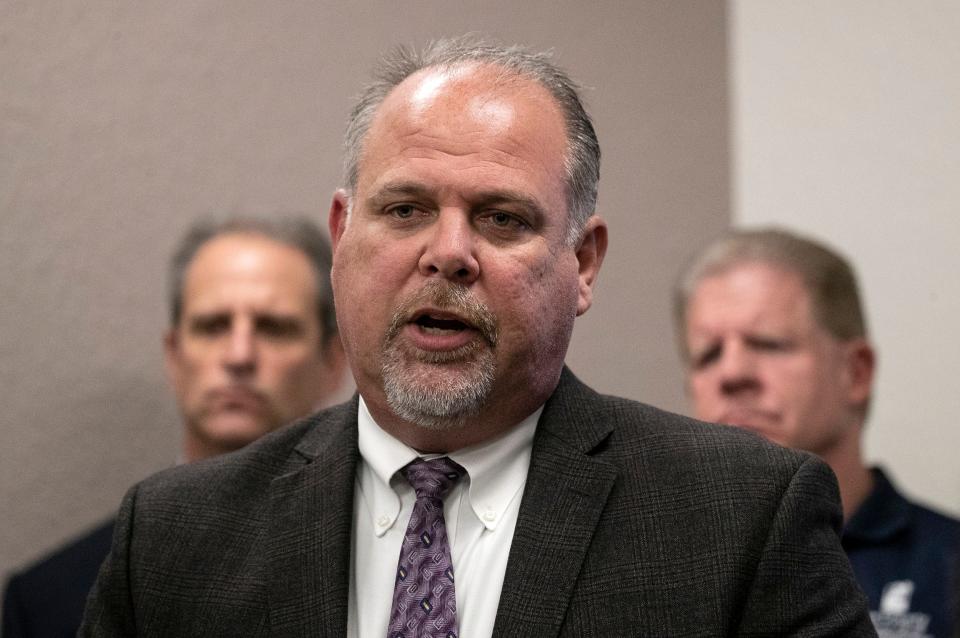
[403, 211]
[769, 345]
[278, 328]
[504, 220]
[210, 326]
[500, 219]
[706, 357]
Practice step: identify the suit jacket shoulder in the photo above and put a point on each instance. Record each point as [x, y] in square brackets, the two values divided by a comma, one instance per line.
[241, 544]
[635, 521]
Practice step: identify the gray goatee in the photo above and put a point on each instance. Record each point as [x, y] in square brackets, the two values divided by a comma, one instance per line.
[440, 390]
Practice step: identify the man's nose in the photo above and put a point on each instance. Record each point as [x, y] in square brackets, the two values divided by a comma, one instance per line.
[450, 247]
[738, 371]
[240, 356]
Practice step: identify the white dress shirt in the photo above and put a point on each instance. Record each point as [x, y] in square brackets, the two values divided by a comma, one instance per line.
[480, 513]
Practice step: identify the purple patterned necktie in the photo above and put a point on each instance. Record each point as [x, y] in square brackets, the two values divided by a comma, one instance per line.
[424, 601]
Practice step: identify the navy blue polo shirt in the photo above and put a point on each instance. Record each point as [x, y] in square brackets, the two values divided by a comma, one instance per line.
[904, 556]
[47, 600]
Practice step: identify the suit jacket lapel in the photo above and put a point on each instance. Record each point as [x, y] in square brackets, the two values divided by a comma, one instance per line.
[565, 494]
[308, 534]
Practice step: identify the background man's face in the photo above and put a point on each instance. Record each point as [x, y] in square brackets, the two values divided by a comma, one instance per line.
[245, 357]
[759, 359]
[461, 183]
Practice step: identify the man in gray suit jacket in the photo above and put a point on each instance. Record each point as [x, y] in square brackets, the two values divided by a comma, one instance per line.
[519, 501]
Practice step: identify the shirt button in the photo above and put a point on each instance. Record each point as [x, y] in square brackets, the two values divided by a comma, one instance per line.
[489, 515]
[383, 521]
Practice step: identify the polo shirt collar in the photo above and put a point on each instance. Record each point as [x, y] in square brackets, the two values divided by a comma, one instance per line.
[883, 515]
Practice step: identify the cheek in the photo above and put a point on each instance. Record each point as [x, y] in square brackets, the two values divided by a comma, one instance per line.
[527, 301]
[798, 387]
[541, 312]
[289, 369]
[366, 257]
[365, 282]
[701, 387]
[705, 395]
[195, 365]
[551, 283]
[191, 382]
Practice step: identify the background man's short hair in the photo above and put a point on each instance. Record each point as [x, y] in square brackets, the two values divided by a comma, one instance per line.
[583, 150]
[296, 232]
[827, 275]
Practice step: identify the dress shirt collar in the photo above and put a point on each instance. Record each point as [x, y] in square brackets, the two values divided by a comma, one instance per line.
[496, 470]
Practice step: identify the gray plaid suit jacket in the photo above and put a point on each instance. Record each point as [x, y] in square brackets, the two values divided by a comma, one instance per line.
[634, 522]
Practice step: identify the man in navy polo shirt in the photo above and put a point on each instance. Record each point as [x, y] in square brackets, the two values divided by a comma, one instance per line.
[774, 341]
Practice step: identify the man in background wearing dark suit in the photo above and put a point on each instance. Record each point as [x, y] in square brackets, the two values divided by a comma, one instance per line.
[775, 341]
[475, 487]
[252, 345]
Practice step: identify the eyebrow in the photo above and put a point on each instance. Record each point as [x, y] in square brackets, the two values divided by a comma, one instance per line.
[193, 317]
[214, 315]
[398, 189]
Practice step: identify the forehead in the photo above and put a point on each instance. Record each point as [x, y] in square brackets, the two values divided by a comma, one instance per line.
[470, 114]
[248, 269]
[751, 295]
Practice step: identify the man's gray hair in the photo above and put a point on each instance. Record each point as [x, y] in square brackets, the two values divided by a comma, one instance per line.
[828, 277]
[297, 232]
[582, 161]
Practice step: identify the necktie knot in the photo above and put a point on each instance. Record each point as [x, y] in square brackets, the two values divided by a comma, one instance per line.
[433, 479]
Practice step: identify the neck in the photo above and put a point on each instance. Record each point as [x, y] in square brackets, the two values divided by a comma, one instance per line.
[853, 475]
[504, 408]
[196, 449]
[449, 438]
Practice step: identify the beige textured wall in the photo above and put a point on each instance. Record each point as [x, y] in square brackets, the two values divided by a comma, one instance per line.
[845, 120]
[121, 122]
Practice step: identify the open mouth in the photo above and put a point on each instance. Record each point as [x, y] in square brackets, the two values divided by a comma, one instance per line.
[436, 330]
[440, 324]
[443, 316]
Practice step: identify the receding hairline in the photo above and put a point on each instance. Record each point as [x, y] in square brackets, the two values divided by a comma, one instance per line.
[255, 236]
[505, 80]
[312, 287]
[296, 232]
[502, 78]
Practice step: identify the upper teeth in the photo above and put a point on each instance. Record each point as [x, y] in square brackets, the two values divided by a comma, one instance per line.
[436, 329]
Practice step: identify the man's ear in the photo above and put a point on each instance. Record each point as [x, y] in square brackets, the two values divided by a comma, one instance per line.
[590, 253]
[339, 212]
[860, 363]
[171, 356]
[335, 364]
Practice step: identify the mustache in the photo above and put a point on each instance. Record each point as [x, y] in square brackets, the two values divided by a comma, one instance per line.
[239, 396]
[234, 389]
[449, 297]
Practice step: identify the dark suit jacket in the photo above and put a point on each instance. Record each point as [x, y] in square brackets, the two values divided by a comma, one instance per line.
[633, 522]
[47, 600]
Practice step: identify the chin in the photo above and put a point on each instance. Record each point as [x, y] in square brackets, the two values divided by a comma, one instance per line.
[234, 432]
[773, 437]
[749, 427]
